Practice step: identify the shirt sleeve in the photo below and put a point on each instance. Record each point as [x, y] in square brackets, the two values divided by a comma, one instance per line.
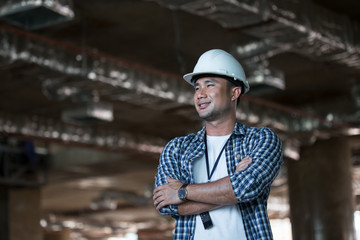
[168, 167]
[266, 152]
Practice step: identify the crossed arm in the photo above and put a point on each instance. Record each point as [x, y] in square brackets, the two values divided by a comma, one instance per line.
[201, 197]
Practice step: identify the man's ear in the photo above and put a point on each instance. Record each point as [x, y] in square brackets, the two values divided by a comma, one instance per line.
[235, 93]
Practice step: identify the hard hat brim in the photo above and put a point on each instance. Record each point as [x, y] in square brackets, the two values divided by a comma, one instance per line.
[190, 76]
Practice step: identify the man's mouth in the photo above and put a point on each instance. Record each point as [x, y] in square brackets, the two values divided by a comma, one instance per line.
[203, 105]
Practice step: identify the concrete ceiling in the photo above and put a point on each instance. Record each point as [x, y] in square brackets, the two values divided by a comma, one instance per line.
[154, 44]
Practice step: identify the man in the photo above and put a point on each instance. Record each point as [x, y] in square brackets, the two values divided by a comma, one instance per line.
[216, 183]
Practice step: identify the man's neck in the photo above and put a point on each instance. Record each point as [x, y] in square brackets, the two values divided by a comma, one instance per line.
[220, 128]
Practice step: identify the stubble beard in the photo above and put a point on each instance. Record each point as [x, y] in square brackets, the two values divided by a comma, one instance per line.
[213, 114]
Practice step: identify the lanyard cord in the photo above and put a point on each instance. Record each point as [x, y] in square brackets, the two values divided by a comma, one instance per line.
[216, 162]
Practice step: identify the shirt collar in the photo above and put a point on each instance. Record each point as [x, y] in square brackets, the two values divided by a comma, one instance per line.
[239, 129]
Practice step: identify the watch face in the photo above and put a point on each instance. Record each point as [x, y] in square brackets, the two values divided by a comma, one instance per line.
[182, 193]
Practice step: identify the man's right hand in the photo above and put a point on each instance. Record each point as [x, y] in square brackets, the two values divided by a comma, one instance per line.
[167, 194]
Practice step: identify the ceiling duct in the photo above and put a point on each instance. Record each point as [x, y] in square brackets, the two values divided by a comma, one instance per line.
[309, 29]
[56, 130]
[254, 52]
[88, 113]
[86, 108]
[264, 80]
[118, 80]
[253, 56]
[223, 12]
[59, 89]
[35, 14]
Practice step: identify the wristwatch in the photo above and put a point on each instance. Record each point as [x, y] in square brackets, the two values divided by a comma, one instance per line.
[182, 192]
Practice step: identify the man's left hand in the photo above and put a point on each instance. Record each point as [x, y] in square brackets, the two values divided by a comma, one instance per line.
[167, 194]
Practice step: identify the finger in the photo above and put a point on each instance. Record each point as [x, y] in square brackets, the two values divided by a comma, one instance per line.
[245, 160]
[243, 164]
[160, 205]
[247, 157]
[170, 179]
[156, 196]
[156, 202]
[159, 188]
[155, 190]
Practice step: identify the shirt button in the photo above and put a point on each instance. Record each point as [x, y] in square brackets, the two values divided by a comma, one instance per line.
[238, 156]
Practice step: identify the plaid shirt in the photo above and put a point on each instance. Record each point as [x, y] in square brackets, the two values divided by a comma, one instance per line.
[251, 186]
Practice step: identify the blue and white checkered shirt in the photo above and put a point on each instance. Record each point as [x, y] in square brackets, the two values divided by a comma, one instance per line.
[251, 186]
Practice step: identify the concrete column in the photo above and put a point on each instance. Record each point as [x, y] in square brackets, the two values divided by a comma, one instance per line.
[320, 192]
[20, 213]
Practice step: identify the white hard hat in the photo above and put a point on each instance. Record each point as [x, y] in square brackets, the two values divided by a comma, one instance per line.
[219, 62]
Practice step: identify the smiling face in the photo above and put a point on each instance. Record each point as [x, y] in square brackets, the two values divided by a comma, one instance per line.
[213, 98]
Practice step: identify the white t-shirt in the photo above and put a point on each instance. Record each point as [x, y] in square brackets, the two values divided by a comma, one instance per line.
[227, 220]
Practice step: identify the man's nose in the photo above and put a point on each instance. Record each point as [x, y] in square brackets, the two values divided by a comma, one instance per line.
[201, 93]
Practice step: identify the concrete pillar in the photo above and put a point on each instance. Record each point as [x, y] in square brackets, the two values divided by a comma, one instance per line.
[20, 213]
[320, 192]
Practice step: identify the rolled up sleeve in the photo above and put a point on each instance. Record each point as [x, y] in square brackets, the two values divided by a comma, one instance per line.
[168, 167]
[266, 152]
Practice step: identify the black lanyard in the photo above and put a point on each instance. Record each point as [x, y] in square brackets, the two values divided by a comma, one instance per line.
[216, 162]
